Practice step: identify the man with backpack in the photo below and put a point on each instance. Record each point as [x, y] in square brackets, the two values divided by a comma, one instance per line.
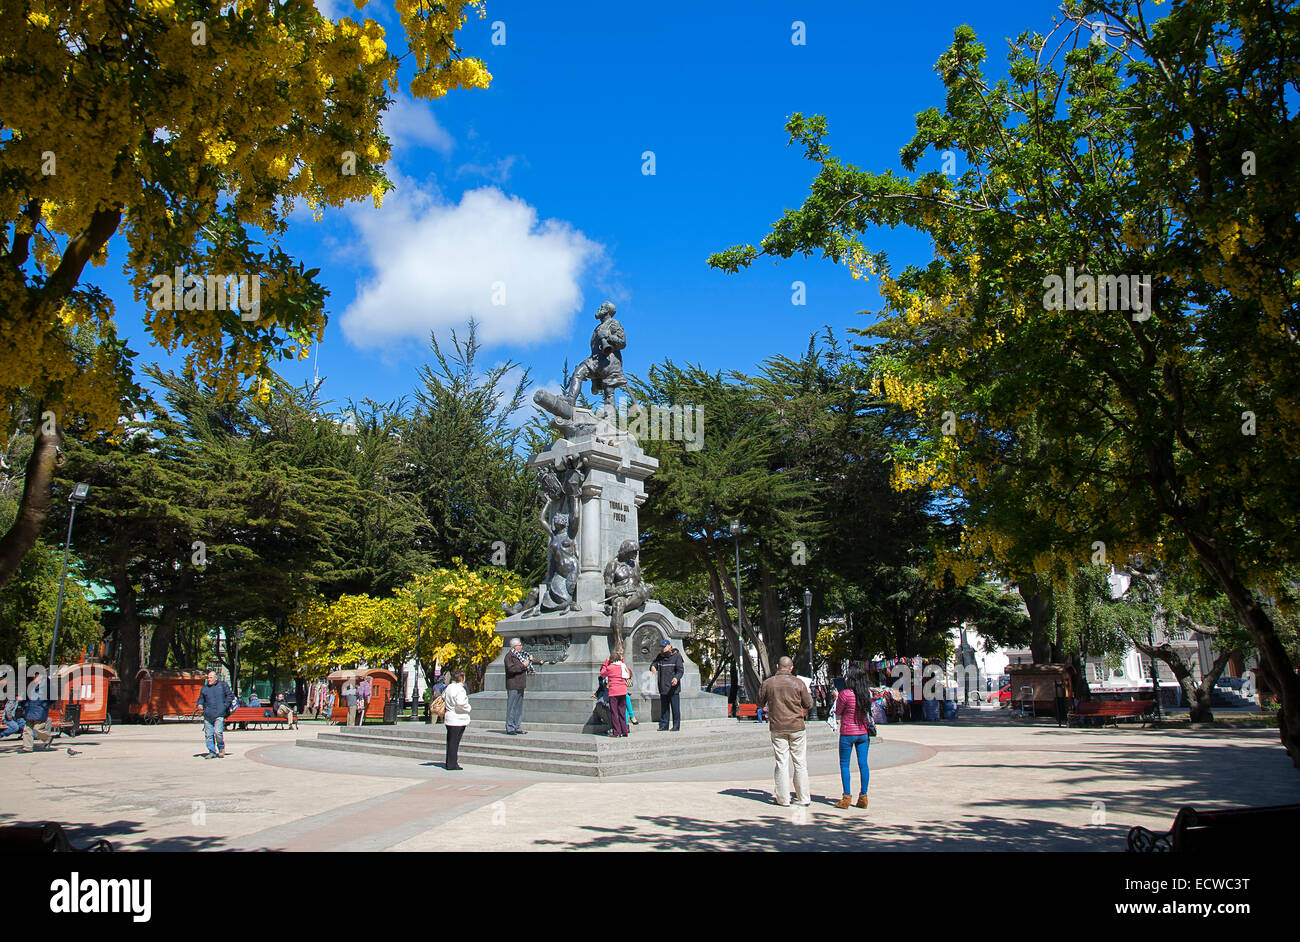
[215, 700]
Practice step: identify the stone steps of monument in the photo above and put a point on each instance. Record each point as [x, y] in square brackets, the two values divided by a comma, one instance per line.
[565, 753]
[496, 724]
[569, 738]
[427, 754]
[592, 765]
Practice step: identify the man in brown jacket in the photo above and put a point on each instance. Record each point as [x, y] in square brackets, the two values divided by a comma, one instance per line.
[786, 700]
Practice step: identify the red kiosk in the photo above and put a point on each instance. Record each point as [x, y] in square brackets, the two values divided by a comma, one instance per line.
[164, 694]
[83, 691]
[382, 685]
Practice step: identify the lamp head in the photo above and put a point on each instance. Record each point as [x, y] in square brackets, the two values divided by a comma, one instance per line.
[807, 598]
[79, 493]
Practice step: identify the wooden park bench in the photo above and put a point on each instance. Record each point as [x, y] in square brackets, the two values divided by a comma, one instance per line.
[1228, 831]
[1112, 711]
[253, 716]
[746, 711]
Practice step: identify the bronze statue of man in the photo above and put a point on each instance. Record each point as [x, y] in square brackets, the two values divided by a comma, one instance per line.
[624, 589]
[605, 365]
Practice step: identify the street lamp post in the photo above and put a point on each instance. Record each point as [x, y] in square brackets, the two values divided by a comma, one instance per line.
[78, 495]
[740, 617]
[807, 611]
[1155, 671]
[415, 681]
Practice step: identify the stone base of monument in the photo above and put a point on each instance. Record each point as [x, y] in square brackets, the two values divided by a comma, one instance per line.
[571, 647]
[565, 733]
[700, 743]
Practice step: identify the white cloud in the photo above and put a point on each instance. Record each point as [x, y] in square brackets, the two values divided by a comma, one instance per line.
[488, 257]
[408, 122]
[498, 171]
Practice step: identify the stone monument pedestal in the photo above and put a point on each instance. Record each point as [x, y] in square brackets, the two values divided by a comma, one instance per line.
[569, 644]
[572, 648]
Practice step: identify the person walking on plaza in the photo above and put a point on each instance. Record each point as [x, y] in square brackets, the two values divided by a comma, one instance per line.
[787, 700]
[669, 668]
[349, 692]
[853, 709]
[215, 699]
[617, 675]
[363, 700]
[457, 718]
[518, 666]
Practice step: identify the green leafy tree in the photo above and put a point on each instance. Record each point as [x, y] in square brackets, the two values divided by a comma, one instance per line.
[1153, 420]
[28, 603]
[464, 459]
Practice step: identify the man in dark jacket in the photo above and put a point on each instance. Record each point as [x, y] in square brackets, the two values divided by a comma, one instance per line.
[518, 664]
[36, 712]
[215, 698]
[669, 667]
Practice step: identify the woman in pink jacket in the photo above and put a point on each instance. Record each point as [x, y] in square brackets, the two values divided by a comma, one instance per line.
[853, 708]
[616, 674]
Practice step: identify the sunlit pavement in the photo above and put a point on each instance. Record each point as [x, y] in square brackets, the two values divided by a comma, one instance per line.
[985, 782]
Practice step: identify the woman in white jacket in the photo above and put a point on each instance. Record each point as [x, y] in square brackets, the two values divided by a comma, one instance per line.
[456, 718]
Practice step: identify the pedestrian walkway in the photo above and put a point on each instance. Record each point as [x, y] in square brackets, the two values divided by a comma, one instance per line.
[983, 783]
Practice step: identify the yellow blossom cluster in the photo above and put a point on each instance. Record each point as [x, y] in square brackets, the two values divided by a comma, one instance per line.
[457, 607]
[193, 139]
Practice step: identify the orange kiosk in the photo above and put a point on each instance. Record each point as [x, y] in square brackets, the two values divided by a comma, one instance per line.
[83, 691]
[163, 694]
[382, 685]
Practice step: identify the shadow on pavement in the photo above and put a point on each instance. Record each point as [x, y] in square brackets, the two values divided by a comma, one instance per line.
[782, 831]
[83, 834]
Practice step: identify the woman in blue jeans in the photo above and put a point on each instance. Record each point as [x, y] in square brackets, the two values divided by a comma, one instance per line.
[853, 709]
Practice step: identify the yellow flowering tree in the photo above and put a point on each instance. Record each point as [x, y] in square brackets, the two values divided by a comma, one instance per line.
[191, 128]
[458, 610]
[461, 615]
[1102, 354]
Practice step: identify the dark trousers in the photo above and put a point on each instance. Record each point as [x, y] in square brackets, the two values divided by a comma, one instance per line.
[453, 746]
[671, 701]
[618, 715]
[514, 710]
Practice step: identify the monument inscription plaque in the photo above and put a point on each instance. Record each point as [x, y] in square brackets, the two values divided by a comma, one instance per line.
[549, 649]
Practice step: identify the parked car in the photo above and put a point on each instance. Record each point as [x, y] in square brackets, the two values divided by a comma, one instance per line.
[1003, 696]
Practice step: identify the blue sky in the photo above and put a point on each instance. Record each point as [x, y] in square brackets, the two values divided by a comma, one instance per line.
[537, 183]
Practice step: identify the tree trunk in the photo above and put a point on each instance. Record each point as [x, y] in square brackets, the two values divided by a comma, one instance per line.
[33, 507]
[162, 637]
[771, 618]
[724, 620]
[744, 625]
[128, 639]
[1040, 616]
[721, 612]
[1274, 664]
[1198, 698]
[1083, 691]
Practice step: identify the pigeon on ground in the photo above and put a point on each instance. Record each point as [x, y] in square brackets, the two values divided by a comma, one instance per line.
[74, 752]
